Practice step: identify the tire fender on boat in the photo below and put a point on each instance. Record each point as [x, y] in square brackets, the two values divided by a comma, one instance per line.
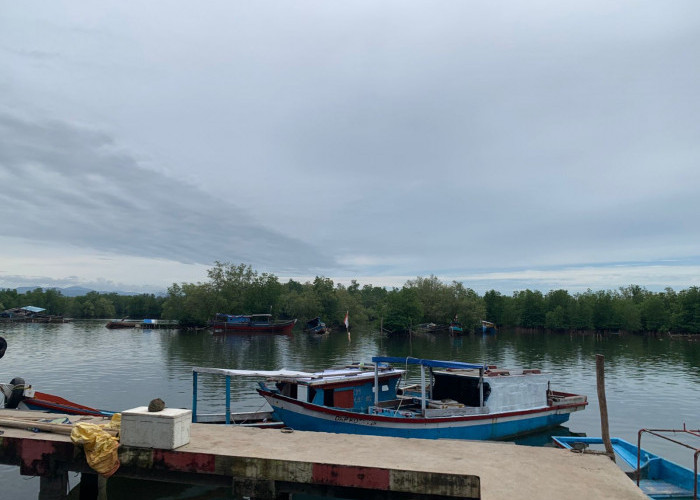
[17, 394]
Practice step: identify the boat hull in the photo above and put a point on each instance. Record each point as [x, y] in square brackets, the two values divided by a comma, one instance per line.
[55, 404]
[283, 328]
[310, 417]
[320, 330]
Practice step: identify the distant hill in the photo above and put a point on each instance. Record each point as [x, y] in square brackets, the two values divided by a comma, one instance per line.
[72, 291]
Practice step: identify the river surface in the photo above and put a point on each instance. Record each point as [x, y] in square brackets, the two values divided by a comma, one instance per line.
[650, 382]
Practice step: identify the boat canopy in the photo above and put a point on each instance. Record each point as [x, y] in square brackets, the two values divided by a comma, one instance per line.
[33, 309]
[254, 373]
[434, 363]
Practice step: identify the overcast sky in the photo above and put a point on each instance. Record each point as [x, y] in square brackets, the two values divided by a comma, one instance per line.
[508, 145]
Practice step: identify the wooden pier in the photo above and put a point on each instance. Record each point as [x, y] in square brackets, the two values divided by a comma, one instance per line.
[272, 464]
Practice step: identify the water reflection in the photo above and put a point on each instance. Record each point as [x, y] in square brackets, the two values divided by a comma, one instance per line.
[650, 382]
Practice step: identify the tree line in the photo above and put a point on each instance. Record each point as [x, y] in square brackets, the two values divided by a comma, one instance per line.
[238, 289]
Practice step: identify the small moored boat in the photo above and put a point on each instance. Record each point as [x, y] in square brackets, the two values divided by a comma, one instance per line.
[250, 324]
[656, 476]
[20, 396]
[316, 326]
[121, 323]
[459, 401]
[487, 327]
[455, 328]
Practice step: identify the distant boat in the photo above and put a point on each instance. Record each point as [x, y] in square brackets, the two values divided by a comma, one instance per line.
[431, 328]
[251, 324]
[457, 401]
[148, 324]
[30, 314]
[657, 477]
[121, 323]
[487, 327]
[316, 326]
[455, 328]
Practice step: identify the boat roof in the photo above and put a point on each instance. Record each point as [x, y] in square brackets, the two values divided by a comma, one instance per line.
[434, 363]
[253, 373]
[33, 309]
[332, 373]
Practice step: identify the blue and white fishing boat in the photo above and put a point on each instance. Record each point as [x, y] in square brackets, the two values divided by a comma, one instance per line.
[454, 400]
[657, 477]
[316, 326]
[455, 327]
[487, 327]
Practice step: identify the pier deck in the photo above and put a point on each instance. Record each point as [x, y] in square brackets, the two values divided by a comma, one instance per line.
[269, 463]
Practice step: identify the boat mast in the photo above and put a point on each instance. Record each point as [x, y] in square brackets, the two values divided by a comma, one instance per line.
[376, 384]
[481, 387]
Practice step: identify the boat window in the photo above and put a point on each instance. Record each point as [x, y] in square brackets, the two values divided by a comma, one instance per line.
[303, 393]
[328, 397]
[287, 389]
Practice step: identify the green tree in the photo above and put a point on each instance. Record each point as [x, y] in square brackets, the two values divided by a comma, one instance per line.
[531, 306]
[436, 299]
[603, 312]
[686, 316]
[655, 315]
[495, 305]
[467, 304]
[190, 304]
[303, 303]
[404, 310]
[559, 306]
[628, 315]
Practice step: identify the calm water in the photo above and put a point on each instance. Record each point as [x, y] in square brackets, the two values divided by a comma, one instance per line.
[650, 383]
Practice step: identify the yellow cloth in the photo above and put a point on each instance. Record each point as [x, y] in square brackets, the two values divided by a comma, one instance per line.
[115, 423]
[99, 445]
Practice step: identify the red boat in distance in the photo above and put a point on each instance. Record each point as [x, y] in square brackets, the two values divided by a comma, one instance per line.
[250, 324]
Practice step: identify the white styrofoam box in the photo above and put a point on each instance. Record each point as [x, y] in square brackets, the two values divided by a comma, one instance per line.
[166, 429]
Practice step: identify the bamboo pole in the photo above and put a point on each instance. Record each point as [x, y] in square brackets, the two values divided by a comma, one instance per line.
[600, 382]
[34, 426]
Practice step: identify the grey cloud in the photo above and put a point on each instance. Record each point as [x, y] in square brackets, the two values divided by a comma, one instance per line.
[67, 184]
[411, 137]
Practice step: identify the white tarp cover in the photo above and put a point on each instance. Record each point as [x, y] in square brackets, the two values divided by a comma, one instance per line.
[517, 392]
[255, 373]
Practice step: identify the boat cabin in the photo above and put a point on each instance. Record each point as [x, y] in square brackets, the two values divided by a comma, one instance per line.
[349, 388]
[502, 390]
[456, 388]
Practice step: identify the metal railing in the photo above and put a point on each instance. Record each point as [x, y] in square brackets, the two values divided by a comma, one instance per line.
[657, 433]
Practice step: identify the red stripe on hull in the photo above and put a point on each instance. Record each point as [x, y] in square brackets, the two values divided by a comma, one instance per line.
[57, 404]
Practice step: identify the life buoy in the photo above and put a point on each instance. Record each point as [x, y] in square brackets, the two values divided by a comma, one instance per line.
[17, 394]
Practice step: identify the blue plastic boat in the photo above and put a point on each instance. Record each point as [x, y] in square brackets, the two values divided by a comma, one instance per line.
[657, 477]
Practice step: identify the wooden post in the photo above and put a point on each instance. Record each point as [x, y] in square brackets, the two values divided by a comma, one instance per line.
[88, 486]
[101, 488]
[53, 487]
[600, 382]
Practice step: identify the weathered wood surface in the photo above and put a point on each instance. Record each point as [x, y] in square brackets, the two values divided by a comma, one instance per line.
[270, 460]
